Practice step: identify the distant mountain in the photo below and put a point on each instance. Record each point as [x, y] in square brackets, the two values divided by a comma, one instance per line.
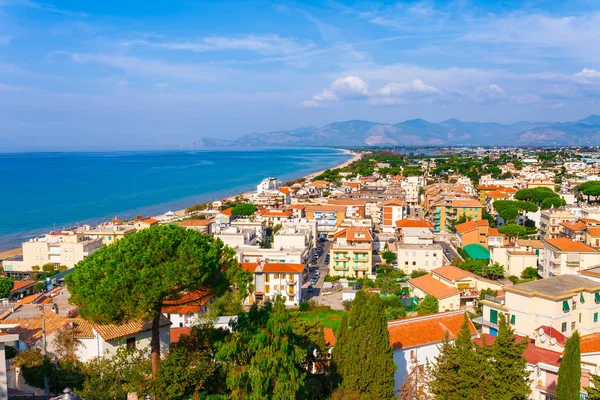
[418, 132]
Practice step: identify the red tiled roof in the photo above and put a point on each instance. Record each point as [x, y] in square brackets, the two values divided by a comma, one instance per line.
[413, 223]
[249, 267]
[284, 267]
[196, 222]
[22, 285]
[226, 211]
[355, 233]
[533, 354]
[347, 202]
[188, 303]
[285, 190]
[593, 230]
[394, 202]
[574, 225]
[277, 213]
[451, 273]
[495, 232]
[589, 220]
[117, 331]
[150, 221]
[433, 287]
[418, 331]
[176, 333]
[553, 333]
[566, 244]
[466, 227]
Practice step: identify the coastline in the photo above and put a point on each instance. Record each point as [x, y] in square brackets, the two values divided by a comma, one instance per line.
[7, 252]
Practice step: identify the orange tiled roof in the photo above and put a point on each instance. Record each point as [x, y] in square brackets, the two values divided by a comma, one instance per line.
[495, 232]
[285, 190]
[277, 213]
[566, 244]
[466, 203]
[150, 221]
[575, 225]
[352, 234]
[413, 223]
[590, 343]
[188, 303]
[226, 211]
[284, 267]
[535, 244]
[418, 331]
[30, 329]
[329, 336]
[394, 202]
[589, 220]
[451, 273]
[510, 190]
[249, 267]
[592, 230]
[21, 285]
[433, 287]
[496, 193]
[488, 187]
[113, 331]
[347, 202]
[466, 227]
[29, 299]
[483, 222]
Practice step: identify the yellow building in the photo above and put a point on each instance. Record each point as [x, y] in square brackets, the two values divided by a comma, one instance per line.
[445, 211]
[351, 254]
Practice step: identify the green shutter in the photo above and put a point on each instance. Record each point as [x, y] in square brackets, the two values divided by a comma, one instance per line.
[579, 317]
[581, 298]
[597, 297]
[494, 316]
[595, 317]
[512, 319]
[566, 307]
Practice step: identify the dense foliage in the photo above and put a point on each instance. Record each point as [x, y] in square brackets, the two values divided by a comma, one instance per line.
[6, 285]
[569, 372]
[244, 209]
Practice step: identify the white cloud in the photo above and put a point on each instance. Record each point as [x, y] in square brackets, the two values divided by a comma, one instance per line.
[489, 93]
[350, 86]
[587, 75]
[415, 87]
[269, 44]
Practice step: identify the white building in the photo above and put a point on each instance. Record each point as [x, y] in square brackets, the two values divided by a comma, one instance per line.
[268, 184]
[418, 256]
[236, 236]
[272, 280]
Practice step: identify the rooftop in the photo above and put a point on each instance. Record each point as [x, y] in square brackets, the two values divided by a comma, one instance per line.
[568, 244]
[413, 223]
[451, 273]
[419, 331]
[477, 251]
[433, 287]
[555, 287]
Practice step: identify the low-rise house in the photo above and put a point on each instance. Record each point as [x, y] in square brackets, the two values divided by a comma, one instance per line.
[448, 297]
[592, 236]
[201, 225]
[469, 284]
[550, 221]
[393, 210]
[236, 236]
[573, 229]
[271, 280]
[564, 256]
[145, 223]
[224, 218]
[328, 217]
[351, 253]
[479, 232]
[275, 216]
[187, 310]
[415, 341]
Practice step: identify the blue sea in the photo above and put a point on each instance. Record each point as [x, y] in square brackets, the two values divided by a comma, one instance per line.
[44, 191]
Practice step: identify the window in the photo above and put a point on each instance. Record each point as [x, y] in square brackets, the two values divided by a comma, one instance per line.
[435, 254]
[494, 316]
[597, 297]
[426, 254]
[581, 298]
[267, 289]
[512, 319]
[595, 317]
[130, 343]
[563, 327]
[414, 263]
[573, 326]
[267, 278]
[579, 317]
[566, 307]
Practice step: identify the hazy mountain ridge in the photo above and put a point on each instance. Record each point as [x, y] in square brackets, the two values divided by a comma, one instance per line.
[419, 132]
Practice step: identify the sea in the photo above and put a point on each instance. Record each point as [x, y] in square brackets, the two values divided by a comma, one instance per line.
[53, 191]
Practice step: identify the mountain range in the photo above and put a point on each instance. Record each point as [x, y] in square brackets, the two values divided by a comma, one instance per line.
[418, 132]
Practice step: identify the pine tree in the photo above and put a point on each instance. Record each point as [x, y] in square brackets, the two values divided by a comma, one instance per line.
[415, 384]
[594, 389]
[443, 373]
[469, 384]
[510, 378]
[569, 372]
[363, 356]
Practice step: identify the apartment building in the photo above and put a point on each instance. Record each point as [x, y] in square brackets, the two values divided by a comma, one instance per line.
[271, 280]
[566, 303]
[109, 233]
[355, 209]
[392, 211]
[447, 210]
[236, 236]
[351, 253]
[550, 221]
[59, 248]
[479, 232]
[291, 255]
[517, 256]
[564, 256]
[328, 217]
[268, 184]
[300, 235]
[275, 217]
[412, 189]
[412, 257]
[205, 226]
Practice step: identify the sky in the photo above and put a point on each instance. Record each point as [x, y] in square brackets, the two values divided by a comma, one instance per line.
[125, 74]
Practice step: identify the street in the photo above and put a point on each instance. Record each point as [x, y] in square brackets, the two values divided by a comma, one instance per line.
[323, 271]
[449, 252]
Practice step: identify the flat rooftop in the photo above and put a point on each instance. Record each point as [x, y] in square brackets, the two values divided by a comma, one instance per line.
[556, 287]
[433, 246]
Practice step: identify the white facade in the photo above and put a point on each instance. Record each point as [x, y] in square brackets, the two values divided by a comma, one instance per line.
[268, 184]
[412, 257]
[235, 236]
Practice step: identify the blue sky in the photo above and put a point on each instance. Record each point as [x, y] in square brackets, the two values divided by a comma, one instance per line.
[142, 73]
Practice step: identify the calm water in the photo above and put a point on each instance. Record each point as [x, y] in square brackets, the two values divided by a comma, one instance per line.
[42, 191]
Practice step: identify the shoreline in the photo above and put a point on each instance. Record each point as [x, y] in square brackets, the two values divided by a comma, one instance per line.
[7, 252]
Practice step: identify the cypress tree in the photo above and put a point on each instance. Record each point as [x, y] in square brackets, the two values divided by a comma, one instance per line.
[443, 373]
[569, 372]
[468, 383]
[594, 389]
[510, 378]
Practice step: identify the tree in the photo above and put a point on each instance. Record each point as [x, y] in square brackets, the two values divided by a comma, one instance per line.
[66, 343]
[135, 276]
[244, 209]
[530, 273]
[363, 340]
[35, 268]
[415, 384]
[38, 286]
[62, 268]
[569, 372]
[262, 357]
[417, 273]
[509, 377]
[48, 267]
[512, 230]
[389, 256]
[6, 285]
[429, 305]
[594, 389]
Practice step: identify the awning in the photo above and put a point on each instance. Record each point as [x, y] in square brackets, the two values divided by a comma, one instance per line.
[581, 298]
[597, 297]
[566, 307]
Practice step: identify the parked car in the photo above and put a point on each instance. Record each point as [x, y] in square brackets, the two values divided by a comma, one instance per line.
[357, 287]
[446, 251]
[310, 289]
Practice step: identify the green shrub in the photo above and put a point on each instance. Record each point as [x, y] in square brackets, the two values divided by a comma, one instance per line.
[304, 306]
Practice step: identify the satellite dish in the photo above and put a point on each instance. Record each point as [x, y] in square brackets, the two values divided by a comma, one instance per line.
[553, 341]
[542, 338]
[541, 331]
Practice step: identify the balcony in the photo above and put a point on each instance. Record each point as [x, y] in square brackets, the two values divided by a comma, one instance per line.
[290, 282]
[54, 250]
[573, 264]
[341, 258]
